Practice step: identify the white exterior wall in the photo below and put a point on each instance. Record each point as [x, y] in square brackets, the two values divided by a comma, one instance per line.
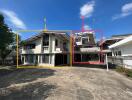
[128, 63]
[38, 45]
[126, 51]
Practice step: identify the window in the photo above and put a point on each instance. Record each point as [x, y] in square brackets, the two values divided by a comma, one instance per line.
[119, 53]
[29, 46]
[78, 39]
[56, 42]
[33, 46]
[45, 58]
[46, 40]
[65, 46]
[84, 40]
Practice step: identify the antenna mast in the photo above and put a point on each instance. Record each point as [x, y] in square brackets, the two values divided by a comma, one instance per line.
[45, 29]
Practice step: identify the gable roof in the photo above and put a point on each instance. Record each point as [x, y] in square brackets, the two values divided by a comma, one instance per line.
[122, 35]
[55, 32]
[122, 42]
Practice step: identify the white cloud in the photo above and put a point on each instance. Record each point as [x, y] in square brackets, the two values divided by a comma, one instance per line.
[87, 9]
[86, 27]
[13, 19]
[126, 10]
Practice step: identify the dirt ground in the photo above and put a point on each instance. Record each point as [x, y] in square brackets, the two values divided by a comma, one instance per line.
[76, 83]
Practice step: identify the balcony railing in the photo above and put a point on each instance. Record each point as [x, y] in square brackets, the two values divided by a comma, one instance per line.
[45, 49]
[93, 49]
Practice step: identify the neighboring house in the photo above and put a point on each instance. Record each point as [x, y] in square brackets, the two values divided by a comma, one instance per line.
[122, 52]
[10, 59]
[107, 42]
[85, 48]
[49, 48]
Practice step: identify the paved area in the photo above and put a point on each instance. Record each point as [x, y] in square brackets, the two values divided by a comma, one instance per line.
[64, 84]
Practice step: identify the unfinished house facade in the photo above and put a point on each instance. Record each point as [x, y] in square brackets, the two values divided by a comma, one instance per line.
[49, 48]
[85, 48]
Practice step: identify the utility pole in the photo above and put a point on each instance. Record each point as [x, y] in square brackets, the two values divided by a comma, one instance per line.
[17, 49]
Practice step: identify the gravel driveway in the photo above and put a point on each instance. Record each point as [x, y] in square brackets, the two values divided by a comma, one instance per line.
[69, 83]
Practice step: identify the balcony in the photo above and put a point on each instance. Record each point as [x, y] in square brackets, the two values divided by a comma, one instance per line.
[45, 49]
[28, 51]
[92, 49]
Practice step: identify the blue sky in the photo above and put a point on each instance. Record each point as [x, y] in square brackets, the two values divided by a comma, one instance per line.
[110, 16]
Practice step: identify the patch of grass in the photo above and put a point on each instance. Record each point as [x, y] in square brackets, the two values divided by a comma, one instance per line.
[125, 71]
[120, 69]
[129, 73]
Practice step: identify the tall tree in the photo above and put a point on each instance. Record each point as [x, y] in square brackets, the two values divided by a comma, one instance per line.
[6, 38]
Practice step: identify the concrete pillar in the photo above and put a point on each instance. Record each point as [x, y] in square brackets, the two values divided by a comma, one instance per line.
[53, 59]
[68, 58]
[24, 59]
[106, 60]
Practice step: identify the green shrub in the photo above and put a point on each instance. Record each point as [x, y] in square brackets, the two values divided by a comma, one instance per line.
[129, 73]
[120, 69]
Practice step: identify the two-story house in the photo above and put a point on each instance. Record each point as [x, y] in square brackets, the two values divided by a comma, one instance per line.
[85, 47]
[48, 48]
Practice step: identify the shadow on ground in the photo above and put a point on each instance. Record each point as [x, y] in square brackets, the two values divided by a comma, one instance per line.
[31, 91]
[16, 76]
[36, 91]
[94, 66]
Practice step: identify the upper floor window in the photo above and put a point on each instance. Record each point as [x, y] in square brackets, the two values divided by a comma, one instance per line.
[65, 46]
[29, 46]
[46, 40]
[56, 42]
[85, 40]
[119, 53]
[78, 39]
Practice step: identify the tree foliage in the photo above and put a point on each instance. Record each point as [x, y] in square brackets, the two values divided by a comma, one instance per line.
[6, 38]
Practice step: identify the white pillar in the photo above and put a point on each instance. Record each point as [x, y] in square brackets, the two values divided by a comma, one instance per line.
[106, 60]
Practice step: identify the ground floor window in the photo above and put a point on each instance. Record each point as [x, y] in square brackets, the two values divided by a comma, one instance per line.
[45, 58]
